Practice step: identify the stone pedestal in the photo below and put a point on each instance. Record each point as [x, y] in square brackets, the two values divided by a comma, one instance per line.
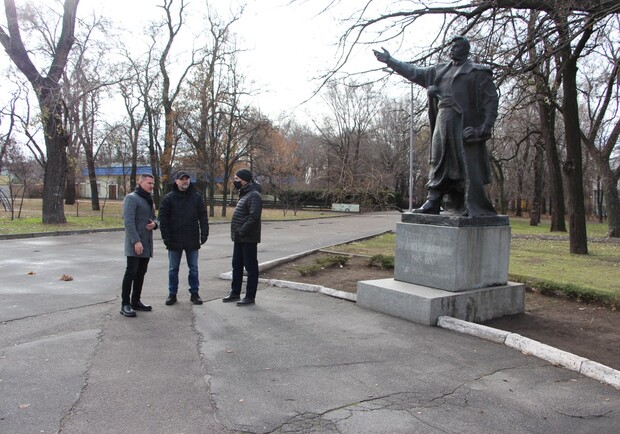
[452, 256]
[447, 265]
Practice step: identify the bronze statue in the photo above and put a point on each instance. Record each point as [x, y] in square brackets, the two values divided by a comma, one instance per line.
[462, 111]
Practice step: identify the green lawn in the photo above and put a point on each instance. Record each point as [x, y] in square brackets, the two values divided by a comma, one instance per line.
[82, 217]
[546, 263]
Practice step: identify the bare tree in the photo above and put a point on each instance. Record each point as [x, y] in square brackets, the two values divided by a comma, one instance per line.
[278, 162]
[90, 72]
[47, 89]
[207, 114]
[141, 88]
[8, 117]
[346, 129]
[390, 142]
[170, 91]
[312, 158]
[22, 174]
[603, 124]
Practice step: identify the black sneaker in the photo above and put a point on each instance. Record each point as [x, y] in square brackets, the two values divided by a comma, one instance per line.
[126, 310]
[172, 298]
[195, 298]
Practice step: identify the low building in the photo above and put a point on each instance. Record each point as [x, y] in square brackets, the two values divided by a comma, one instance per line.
[112, 181]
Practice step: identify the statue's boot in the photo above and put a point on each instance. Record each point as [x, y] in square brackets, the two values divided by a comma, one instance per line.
[429, 207]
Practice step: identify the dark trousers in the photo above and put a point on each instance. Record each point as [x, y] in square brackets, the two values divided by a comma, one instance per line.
[245, 256]
[134, 275]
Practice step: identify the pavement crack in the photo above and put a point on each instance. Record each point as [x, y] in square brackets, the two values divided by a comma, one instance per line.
[585, 416]
[473, 380]
[87, 371]
[307, 422]
[51, 312]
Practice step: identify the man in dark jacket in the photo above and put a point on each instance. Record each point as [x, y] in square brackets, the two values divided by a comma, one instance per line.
[245, 233]
[184, 227]
[463, 105]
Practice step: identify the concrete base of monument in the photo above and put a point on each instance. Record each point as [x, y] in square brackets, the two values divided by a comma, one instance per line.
[452, 254]
[423, 305]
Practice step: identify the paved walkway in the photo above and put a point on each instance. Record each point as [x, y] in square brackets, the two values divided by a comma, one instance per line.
[294, 362]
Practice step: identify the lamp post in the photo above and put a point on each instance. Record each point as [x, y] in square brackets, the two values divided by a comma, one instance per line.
[411, 135]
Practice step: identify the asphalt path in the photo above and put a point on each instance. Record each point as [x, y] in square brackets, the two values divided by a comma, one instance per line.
[294, 362]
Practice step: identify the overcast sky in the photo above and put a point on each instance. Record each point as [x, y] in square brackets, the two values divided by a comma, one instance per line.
[287, 46]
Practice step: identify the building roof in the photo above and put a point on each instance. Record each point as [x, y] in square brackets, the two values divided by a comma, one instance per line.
[117, 170]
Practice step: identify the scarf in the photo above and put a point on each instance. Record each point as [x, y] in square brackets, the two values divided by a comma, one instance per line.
[144, 195]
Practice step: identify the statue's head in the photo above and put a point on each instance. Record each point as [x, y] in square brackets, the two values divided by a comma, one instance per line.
[460, 48]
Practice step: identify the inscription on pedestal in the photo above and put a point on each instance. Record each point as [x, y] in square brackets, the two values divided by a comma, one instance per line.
[452, 258]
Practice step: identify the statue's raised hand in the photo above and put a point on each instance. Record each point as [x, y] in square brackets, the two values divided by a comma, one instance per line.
[382, 56]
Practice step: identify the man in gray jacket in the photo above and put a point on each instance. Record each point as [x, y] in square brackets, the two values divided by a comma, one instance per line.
[139, 221]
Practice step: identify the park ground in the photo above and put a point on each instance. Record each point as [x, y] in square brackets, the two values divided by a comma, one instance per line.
[588, 330]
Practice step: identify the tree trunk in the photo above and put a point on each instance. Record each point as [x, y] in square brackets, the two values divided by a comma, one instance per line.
[55, 175]
[573, 167]
[610, 185]
[599, 200]
[538, 186]
[546, 115]
[498, 175]
[70, 190]
[92, 177]
[519, 212]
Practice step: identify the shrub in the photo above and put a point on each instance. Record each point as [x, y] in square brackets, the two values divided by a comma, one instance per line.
[382, 261]
[332, 260]
[322, 263]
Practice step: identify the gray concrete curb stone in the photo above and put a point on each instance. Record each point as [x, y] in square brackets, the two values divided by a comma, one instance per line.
[557, 357]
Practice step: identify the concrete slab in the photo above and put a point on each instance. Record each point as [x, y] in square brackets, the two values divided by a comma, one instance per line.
[424, 305]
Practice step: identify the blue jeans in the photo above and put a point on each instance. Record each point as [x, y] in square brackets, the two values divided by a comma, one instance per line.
[245, 256]
[174, 261]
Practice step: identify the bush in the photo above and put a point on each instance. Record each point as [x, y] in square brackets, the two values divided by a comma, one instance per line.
[332, 260]
[322, 263]
[309, 270]
[382, 261]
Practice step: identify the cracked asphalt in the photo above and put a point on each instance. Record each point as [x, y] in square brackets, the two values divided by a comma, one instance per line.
[295, 362]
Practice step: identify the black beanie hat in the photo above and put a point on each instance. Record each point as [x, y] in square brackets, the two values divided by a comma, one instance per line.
[244, 174]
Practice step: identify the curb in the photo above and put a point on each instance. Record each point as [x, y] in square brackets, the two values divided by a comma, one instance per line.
[306, 287]
[528, 346]
[57, 233]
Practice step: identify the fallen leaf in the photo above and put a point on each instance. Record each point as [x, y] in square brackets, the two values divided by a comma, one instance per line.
[66, 278]
[31, 273]
[24, 405]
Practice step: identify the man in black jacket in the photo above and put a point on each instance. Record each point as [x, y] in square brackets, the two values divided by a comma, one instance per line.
[245, 229]
[184, 227]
